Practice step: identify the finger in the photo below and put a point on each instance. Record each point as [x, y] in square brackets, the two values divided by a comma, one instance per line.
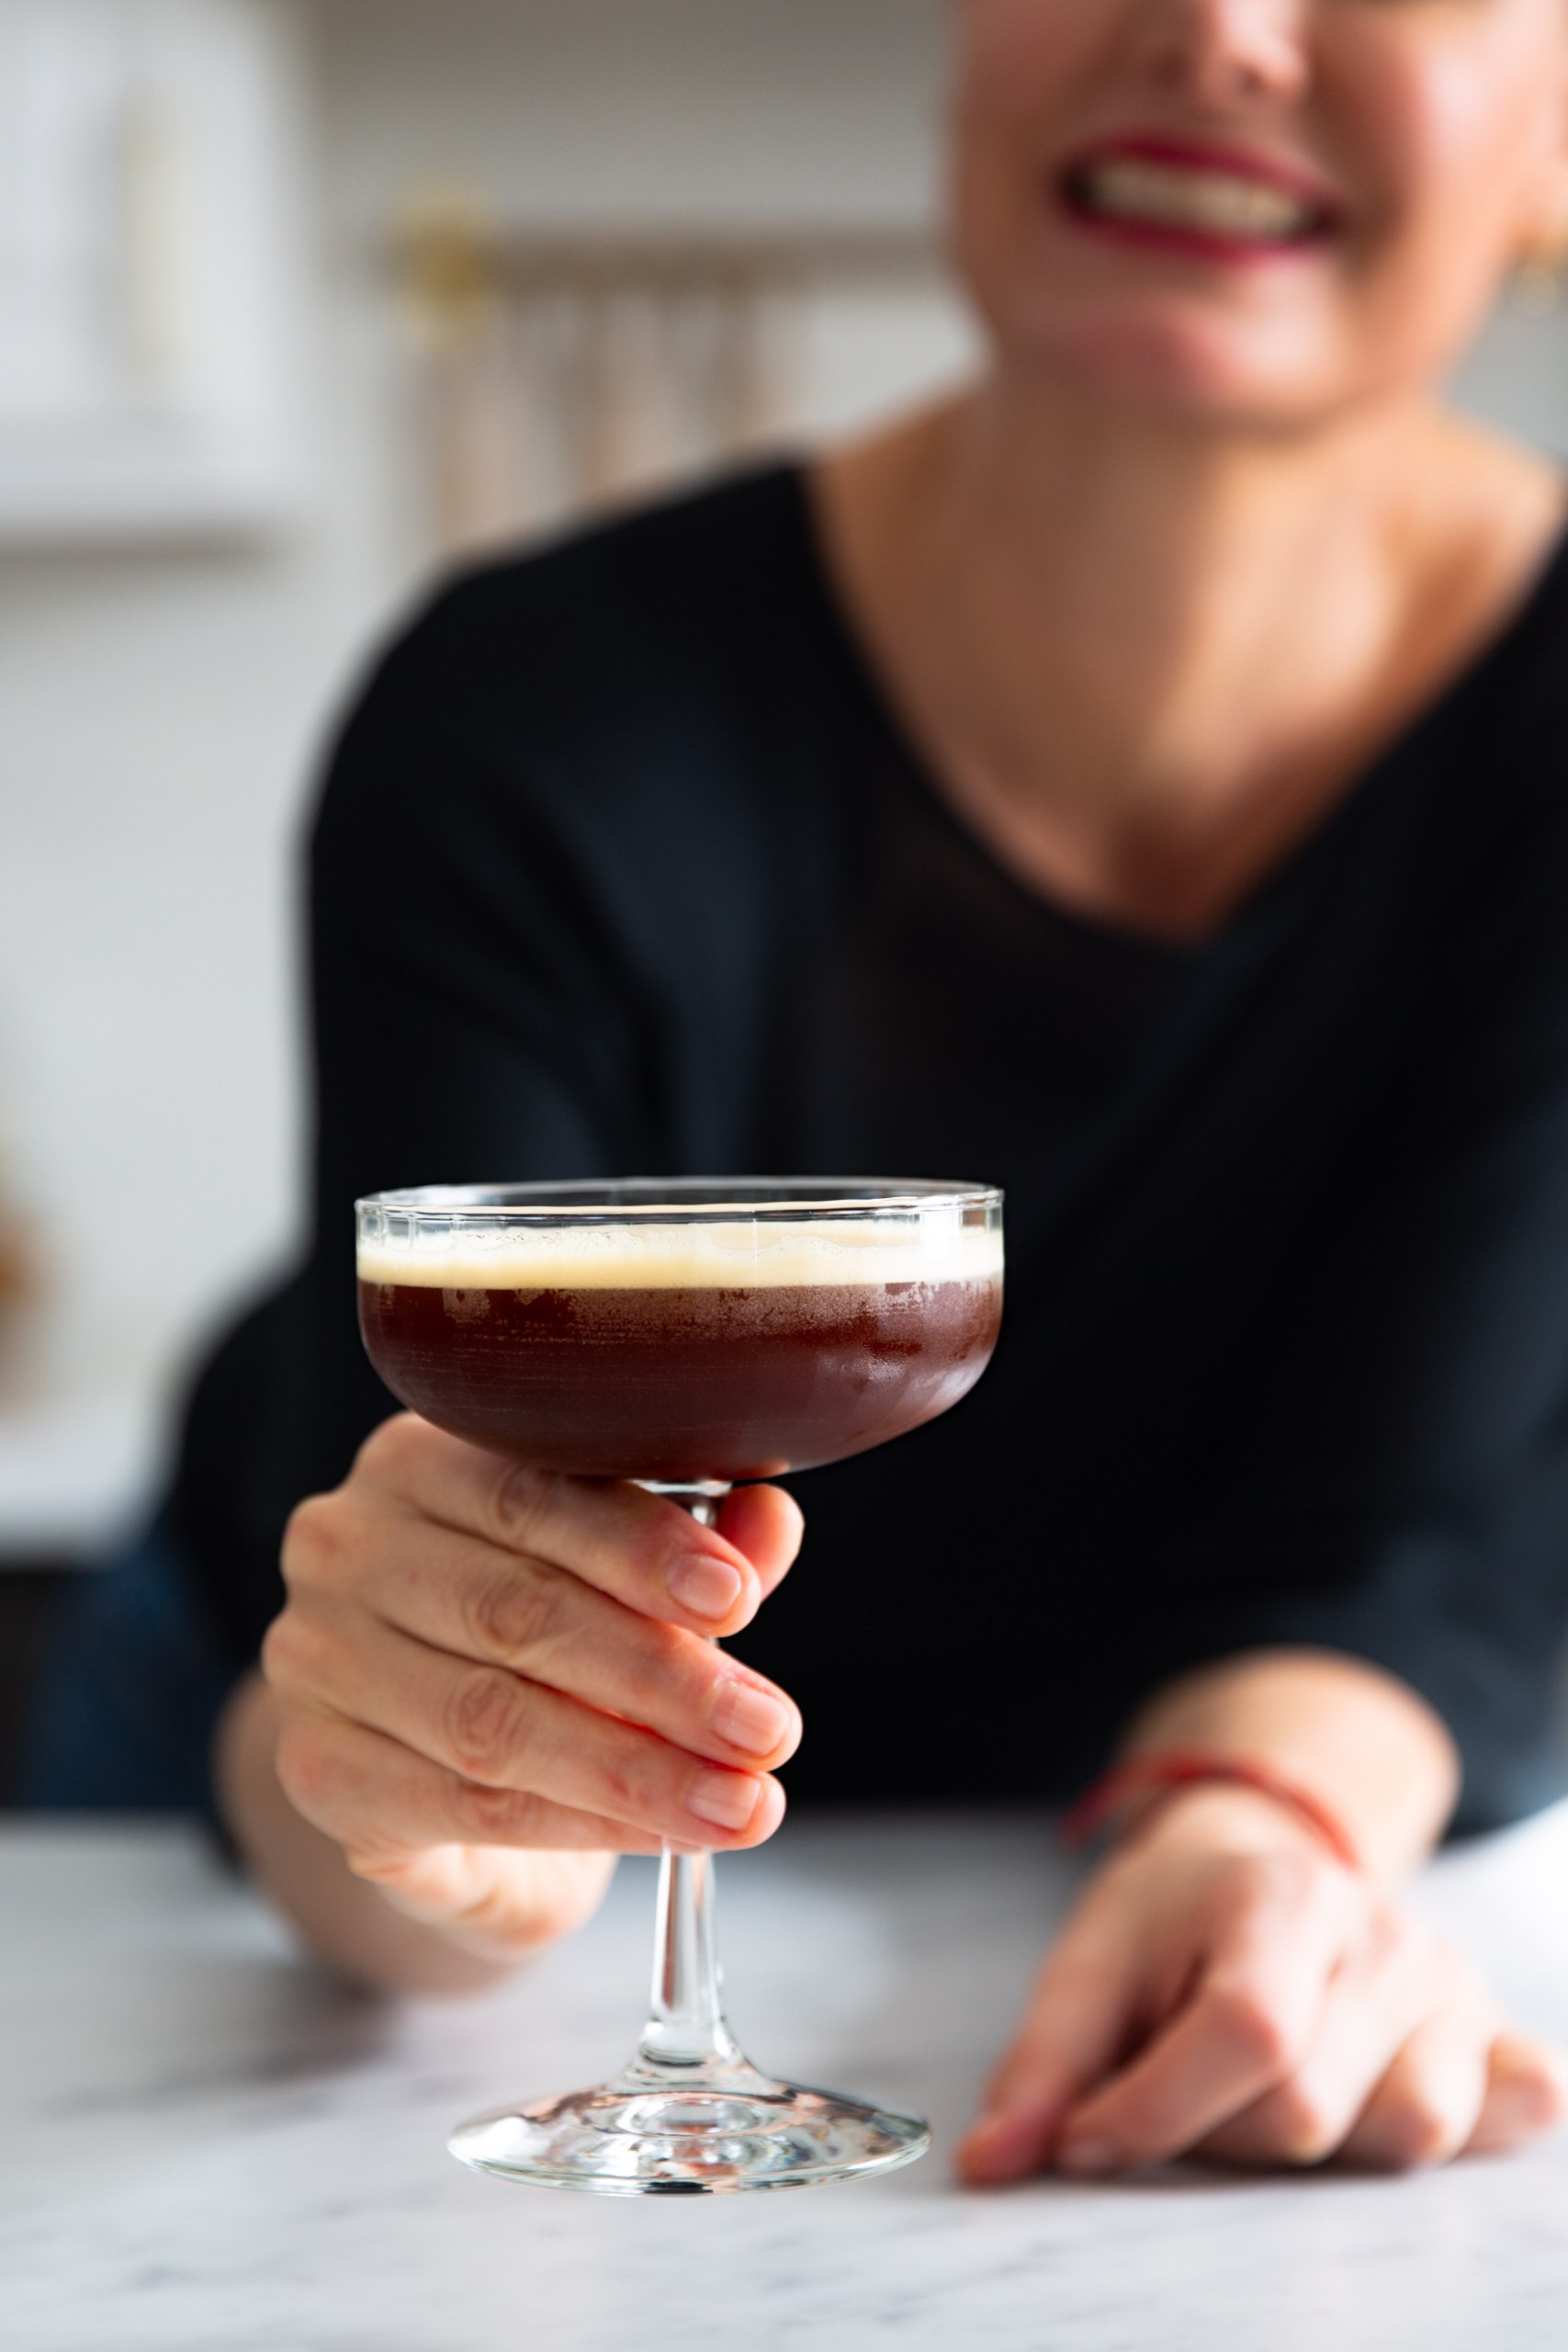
[767, 1524]
[1428, 2102]
[384, 1803]
[1075, 2029]
[460, 1596]
[492, 1900]
[1249, 2022]
[1527, 2094]
[502, 1730]
[1376, 2002]
[641, 1548]
[559, 1633]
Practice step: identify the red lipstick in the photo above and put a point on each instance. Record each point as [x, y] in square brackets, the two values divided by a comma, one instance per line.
[1200, 240]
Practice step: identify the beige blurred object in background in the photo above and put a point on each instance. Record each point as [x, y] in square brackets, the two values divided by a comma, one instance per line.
[689, 228]
[572, 370]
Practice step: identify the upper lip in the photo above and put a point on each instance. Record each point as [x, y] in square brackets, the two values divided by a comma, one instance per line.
[1210, 155]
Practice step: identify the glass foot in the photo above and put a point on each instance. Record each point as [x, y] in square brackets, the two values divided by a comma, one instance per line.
[649, 2135]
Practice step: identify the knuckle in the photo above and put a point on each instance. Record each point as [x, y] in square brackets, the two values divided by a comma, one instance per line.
[1394, 1936]
[652, 1545]
[313, 1540]
[497, 1817]
[485, 1726]
[390, 1447]
[625, 1780]
[511, 1921]
[380, 1866]
[283, 1651]
[308, 1770]
[663, 1669]
[1256, 2030]
[519, 1502]
[515, 1612]
[1285, 1881]
[1411, 1962]
[1309, 2125]
[1416, 2132]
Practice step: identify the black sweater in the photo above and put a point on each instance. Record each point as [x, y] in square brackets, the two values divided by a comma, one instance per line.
[625, 867]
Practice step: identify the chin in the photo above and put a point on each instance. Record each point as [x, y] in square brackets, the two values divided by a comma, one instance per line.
[1185, 362]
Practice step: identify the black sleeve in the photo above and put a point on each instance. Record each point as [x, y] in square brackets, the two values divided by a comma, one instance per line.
[1398, 1486]
[473, 1020]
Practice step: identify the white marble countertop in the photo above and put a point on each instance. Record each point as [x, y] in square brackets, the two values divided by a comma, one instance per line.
[205, 2145]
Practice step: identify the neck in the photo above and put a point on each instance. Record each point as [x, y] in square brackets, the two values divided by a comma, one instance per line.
[1143, 655]
[1159, 556]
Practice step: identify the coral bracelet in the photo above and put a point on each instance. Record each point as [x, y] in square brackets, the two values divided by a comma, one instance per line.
[1156, 1775]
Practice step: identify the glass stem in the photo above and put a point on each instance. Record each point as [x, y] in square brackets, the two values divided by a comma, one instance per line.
[685, 2027]
[685, 2024]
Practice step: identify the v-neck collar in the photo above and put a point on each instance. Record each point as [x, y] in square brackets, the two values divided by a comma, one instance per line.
[1512, 648]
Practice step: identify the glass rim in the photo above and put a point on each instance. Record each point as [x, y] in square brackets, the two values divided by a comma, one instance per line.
[705, 1196]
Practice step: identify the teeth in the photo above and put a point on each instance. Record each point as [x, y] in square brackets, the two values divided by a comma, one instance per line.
[1135, 190]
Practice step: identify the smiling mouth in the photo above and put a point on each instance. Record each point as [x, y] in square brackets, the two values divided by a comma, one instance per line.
[1193, 205]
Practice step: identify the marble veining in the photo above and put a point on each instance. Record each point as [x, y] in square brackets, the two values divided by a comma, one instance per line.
[206, 2146]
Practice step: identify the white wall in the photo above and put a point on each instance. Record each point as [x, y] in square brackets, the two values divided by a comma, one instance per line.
[158, 710]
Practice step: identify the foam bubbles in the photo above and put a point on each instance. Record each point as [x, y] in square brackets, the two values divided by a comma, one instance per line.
[827, 1253]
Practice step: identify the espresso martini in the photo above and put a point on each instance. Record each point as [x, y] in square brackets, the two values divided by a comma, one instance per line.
[719, 1350]
[685, 1334]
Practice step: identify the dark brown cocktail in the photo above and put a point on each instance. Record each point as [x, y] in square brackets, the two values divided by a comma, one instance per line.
[679, 1379]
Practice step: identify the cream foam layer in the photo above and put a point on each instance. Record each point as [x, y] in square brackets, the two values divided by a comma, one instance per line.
[850, 1253]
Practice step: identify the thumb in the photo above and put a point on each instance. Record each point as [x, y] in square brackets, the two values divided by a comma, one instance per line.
[1074, 2033]
[766, 1523]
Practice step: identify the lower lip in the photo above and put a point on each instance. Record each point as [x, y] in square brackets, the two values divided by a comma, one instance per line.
[1193, 244]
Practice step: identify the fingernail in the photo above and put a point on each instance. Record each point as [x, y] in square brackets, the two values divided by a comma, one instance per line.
[728, 1800]
[704, 1586]
[749, 1718]
[1087, 2156]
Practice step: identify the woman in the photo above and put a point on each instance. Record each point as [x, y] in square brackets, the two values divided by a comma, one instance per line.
[1136, 781]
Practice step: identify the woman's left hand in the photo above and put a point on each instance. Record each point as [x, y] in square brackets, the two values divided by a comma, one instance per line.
[1227, 1989]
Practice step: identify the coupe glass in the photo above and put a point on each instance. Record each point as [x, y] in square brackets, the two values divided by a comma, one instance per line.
[686, 1335]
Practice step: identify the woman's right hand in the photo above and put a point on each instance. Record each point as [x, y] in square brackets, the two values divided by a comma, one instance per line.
[492, 1679]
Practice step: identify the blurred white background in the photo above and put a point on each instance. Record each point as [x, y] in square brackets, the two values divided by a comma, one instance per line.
[163, 688]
